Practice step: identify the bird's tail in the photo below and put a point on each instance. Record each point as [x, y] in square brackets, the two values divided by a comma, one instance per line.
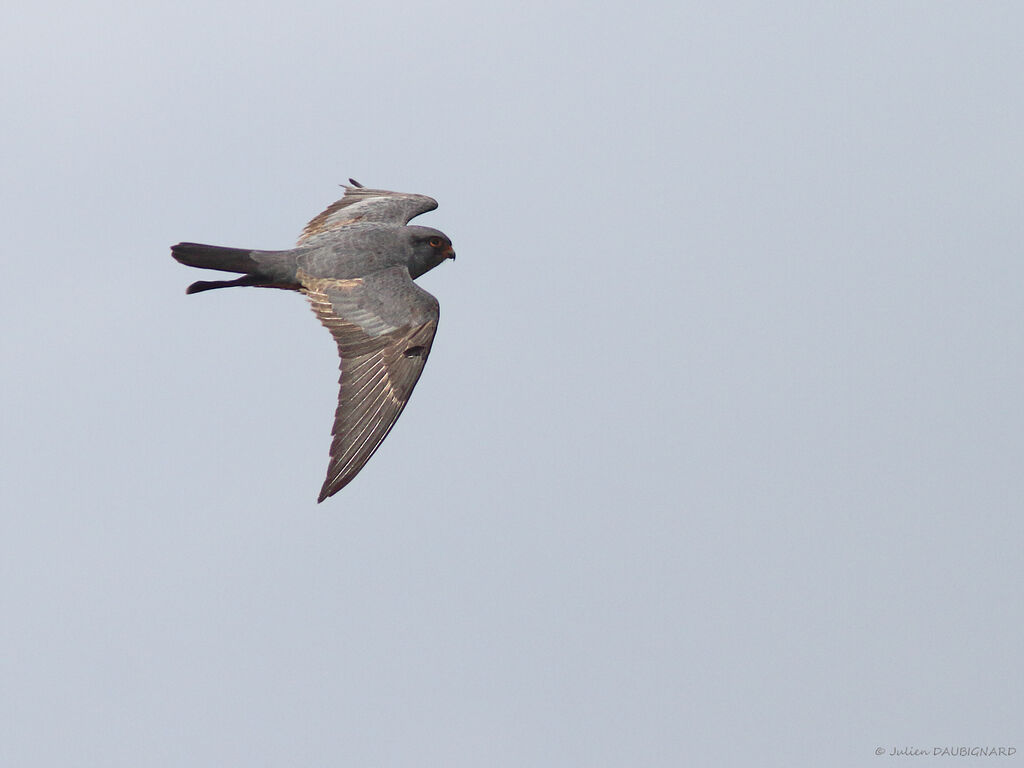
[215, 257]
[263, 273]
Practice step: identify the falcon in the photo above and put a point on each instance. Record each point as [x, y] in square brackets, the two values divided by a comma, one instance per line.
[356, 263]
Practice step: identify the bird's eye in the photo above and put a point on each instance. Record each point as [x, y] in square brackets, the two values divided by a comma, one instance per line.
[435, 242]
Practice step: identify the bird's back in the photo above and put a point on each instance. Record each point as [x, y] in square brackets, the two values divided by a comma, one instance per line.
[355, 251]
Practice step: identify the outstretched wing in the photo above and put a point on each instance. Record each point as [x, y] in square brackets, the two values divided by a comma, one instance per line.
[360, 204]
[384, 325]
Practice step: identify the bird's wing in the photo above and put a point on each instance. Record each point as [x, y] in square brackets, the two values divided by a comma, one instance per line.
[384, 325]
[360, 204]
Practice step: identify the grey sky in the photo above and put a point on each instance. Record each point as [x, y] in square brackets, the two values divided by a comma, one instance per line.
[717, 458]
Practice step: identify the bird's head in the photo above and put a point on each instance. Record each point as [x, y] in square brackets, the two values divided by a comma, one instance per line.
[429, 248]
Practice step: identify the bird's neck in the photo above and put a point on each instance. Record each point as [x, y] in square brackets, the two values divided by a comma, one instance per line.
[421, 265]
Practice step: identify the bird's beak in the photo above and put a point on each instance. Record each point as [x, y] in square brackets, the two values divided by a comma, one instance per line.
[449, 253]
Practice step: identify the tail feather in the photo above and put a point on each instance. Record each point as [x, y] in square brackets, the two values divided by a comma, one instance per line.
[215, 257]
[265, 269]
[209, 285]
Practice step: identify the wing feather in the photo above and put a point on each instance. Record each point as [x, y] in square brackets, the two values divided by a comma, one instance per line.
[384, 326]
[367, 205]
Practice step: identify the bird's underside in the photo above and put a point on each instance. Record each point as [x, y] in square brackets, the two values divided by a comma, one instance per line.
[365, 295]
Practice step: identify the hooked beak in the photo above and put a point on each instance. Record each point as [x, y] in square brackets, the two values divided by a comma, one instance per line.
[449, 253]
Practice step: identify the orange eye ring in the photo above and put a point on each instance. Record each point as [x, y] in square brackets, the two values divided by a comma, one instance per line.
[434, 242]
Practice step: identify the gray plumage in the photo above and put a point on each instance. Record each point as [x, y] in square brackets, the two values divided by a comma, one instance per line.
[356, 263]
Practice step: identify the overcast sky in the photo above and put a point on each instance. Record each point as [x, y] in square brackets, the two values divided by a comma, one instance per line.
[717, 459]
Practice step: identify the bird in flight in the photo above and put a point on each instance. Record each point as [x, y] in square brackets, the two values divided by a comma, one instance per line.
[356, 263]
